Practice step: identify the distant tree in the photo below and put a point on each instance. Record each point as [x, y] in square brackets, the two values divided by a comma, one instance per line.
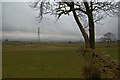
[6, 40]
[85, 13]
[109, 37]
[70, 42]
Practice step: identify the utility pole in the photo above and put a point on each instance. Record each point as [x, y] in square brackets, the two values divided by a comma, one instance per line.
[38, 33]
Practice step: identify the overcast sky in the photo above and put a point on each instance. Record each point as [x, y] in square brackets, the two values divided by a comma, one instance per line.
[0, 21]
[19, 23]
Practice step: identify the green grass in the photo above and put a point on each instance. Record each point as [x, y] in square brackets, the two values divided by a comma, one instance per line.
[46, 59]
[112, 50]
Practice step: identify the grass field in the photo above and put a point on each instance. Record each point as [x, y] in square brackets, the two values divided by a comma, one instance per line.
[46, 59]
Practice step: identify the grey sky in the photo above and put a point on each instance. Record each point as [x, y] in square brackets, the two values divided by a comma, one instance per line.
[0, 20]
[19, 23]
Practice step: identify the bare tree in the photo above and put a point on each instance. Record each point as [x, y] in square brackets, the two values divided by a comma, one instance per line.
[85, 13]
[109, 37]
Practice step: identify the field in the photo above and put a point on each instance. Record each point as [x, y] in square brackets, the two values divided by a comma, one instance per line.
[46, 59]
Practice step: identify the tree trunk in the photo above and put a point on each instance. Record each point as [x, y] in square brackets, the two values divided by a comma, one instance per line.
[91, 24]
[87, 45]
[91, 31]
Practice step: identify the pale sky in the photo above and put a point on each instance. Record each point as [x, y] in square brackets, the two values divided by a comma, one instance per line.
[0, 20]
[19, 23]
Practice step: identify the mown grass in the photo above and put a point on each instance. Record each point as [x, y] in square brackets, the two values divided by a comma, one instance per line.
[46, 59]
